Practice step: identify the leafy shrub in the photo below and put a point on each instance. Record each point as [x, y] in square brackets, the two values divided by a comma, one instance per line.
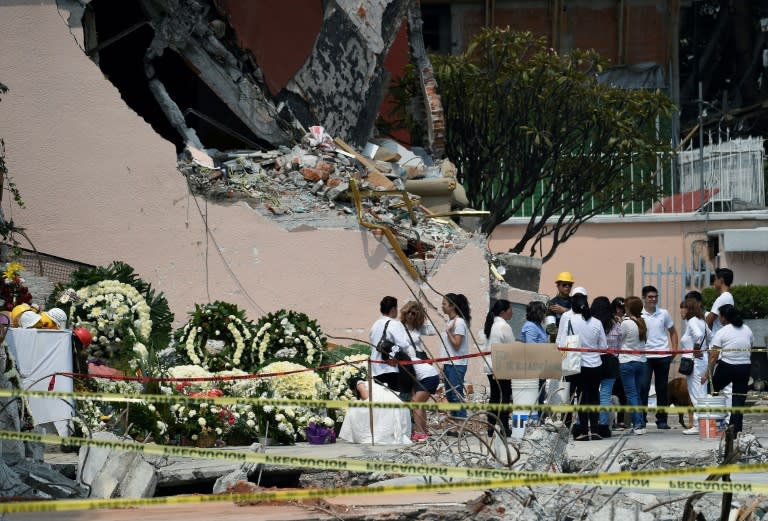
[751, 300]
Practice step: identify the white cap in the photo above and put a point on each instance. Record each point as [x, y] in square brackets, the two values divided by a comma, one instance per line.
[29, 319]
[59, 316]
[578, 290]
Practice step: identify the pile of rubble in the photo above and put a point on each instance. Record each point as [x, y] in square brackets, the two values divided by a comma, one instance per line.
[310, 186]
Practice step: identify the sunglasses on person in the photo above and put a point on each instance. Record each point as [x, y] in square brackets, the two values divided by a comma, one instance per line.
[565, 284]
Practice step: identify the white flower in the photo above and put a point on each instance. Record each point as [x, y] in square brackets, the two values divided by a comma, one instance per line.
[250, 423]
[201, 422]
[219, 431]
[192, 413]
[151, 407]
[194, 437]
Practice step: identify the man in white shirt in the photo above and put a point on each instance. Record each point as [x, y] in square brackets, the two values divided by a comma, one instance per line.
[387, 373]
[662, 337]
[723, 281]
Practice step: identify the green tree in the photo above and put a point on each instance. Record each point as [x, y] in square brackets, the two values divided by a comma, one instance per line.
[525, 124]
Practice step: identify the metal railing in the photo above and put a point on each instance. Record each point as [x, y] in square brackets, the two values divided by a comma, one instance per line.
[733, 180]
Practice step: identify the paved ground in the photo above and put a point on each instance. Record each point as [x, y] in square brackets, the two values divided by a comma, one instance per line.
[667, 443]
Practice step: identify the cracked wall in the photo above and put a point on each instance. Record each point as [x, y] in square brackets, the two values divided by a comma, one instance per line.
[101, 184]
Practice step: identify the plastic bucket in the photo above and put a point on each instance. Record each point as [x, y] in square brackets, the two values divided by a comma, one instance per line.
[524, 392]
[708, 421]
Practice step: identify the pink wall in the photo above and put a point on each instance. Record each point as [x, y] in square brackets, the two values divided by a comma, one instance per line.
[100, 185]
[599, 252]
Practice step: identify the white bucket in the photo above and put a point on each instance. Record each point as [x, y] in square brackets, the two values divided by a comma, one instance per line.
[524, 392]
[558, 392]
[708, 422]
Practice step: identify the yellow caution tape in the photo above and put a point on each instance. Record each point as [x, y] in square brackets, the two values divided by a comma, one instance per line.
[442, 471]
[284, 495]
[343, 404]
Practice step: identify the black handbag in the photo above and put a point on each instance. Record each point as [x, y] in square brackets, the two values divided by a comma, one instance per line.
[686, 366]
[384, 347]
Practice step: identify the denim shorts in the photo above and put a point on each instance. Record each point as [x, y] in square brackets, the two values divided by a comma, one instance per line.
[428, 384]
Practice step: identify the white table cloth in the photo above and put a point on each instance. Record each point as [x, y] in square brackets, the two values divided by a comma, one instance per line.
[39, 353]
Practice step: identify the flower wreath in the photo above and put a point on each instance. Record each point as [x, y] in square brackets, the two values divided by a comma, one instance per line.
[287, 335]
[216, 337]
[118, 317]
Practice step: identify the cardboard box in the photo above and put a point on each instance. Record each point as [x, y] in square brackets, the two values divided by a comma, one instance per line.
[521, 361]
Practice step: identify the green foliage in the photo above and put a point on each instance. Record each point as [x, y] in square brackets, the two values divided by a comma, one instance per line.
[526, 125]
[751, 300]
[160, 313]
[8, 228]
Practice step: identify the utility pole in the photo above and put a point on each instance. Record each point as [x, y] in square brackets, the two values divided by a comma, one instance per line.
[701, 143]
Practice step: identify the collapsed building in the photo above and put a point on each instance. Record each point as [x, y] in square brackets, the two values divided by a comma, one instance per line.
[270, 212]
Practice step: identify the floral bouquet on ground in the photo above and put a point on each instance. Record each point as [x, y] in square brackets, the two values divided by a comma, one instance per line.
[142, 421]
[320, 430]
[245, 428]
[287, 335]
[216, 337]
[201, 423]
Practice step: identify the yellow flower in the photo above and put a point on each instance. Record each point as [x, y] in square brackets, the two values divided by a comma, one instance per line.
[12, 270]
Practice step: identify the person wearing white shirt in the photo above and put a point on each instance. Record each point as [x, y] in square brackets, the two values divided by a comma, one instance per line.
[455, 342]
[730, 360]
[632, 362]
[498, 331]
[426, 378]
[591, 335]
[723, 281]
[385, 370]
[662, 338]
[696, 337]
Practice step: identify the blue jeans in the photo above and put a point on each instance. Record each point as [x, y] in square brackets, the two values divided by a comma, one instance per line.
[633, 376]
[606, 389]
[454, 386]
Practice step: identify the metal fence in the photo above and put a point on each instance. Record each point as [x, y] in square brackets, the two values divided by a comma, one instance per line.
[56, 269]
[673, 279]
[725, 176]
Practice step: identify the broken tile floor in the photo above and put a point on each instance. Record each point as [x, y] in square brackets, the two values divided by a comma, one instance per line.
[655, 449]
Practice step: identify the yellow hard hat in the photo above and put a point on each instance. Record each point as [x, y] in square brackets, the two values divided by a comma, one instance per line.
[565, 276]
[46, 322]
[17, 312]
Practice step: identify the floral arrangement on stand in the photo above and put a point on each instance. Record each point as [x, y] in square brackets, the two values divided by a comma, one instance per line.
[125, 316]
[287, 335]
[217, 337]
[13, 291]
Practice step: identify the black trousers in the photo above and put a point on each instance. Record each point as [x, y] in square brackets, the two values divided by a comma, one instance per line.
[589, 384]
[658, 368]
[501, 392]
[738, 375]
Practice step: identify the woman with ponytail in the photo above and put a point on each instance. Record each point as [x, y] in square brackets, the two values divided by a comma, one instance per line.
[591, 336]
[498, 331]
[632, 366]
[730, 360]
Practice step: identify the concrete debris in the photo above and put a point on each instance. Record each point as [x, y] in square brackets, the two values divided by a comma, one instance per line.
[309, 186]
[111, 473]
[229, 482]
[21, 476]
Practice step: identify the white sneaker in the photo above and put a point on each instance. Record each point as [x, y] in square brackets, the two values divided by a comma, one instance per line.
[691, 431]
[639, 432]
